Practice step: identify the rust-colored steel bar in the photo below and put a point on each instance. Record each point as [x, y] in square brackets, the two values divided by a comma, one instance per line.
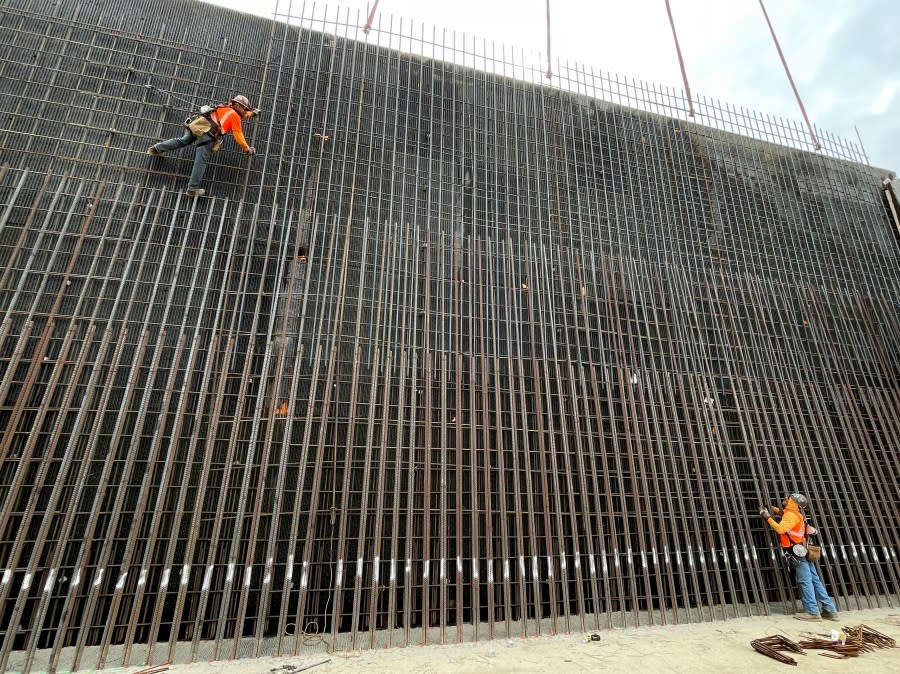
[298, 516]
[32, 565]
[850, 460]
[549, 72]
[169, 468]
[787, 71]
[684, 78]
[133, 540]
[371, 17]
[487, 454]
[95, 385]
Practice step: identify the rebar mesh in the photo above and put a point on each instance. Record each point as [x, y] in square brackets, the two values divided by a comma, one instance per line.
[461, 355]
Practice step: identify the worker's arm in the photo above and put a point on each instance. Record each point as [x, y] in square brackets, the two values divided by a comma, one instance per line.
[239, 138]
[788, 521]
[232, 125]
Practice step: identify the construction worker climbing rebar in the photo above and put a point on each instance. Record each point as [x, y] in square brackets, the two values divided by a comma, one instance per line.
[206, 131]
[793, 532]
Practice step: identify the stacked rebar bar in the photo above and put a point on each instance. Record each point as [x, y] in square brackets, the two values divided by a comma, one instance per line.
[773, 647]
[852, 642]
[459, 356]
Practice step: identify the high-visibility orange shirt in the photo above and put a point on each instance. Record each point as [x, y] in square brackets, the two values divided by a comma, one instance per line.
[790, 528]
[230, 122]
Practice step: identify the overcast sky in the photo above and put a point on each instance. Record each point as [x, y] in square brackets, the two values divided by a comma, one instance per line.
[844, 54]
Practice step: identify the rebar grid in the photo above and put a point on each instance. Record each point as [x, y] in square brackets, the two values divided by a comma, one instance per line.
[494, 359]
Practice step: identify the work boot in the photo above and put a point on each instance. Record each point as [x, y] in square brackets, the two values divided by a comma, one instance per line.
[152, 151]
[828, 615]
[808, 616]
[195, 192]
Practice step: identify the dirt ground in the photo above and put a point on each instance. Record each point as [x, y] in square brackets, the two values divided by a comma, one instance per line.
[706, 647]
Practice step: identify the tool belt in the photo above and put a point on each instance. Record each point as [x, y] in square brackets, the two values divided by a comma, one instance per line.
[199, 126]
[204, 124]
[798, 551]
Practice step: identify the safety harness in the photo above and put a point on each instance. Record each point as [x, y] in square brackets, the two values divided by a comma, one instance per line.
[795, 542]
[206, 123]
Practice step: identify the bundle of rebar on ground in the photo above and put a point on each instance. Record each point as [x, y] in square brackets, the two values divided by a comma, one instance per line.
[859, 639]
[773, 645]
[856, 640]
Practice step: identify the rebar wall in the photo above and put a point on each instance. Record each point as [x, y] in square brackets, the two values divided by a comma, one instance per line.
[460, 355]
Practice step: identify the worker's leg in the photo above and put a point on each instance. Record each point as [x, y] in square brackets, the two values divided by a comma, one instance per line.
[174, 143]
[819, 589]
[803, 572]
[201, 158]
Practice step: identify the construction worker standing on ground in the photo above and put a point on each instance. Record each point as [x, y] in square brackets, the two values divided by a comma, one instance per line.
[794, 532]
[207, 131]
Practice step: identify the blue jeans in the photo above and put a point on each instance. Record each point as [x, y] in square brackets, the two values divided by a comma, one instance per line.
[201, 155]
[812, 590]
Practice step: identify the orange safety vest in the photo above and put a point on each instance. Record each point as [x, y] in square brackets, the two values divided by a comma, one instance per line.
[796, 534]
[224, 116]
[229, 121]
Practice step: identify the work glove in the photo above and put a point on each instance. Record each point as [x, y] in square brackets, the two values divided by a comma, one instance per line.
[250, 151]
[765, 514]
[776, 511]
